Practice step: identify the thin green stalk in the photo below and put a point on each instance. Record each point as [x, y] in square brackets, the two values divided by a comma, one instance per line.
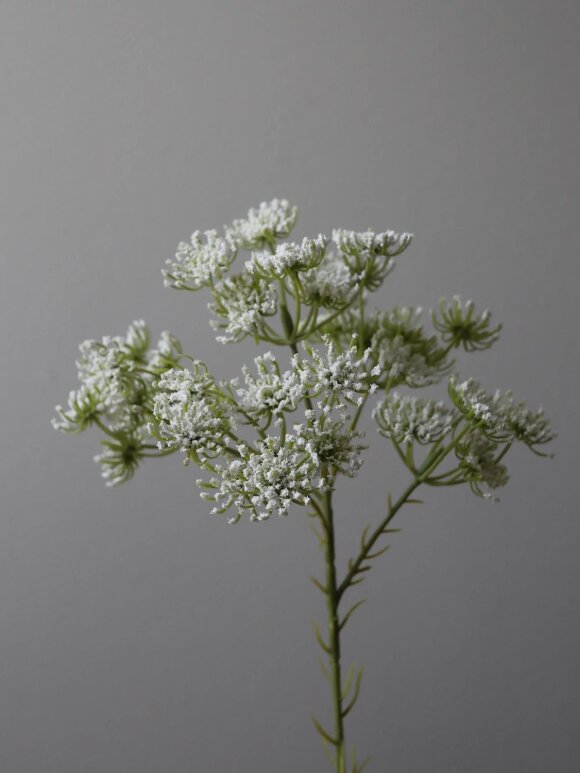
[377, 533]
[333, 599]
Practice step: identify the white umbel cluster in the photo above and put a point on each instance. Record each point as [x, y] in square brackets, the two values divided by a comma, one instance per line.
[270, 221]
[412, 419]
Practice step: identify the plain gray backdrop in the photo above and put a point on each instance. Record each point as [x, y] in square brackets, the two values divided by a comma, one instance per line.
[137, 633]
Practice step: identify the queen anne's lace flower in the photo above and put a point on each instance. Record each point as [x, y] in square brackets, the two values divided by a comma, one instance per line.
[288, 256]
[331, 284]
[403, 352]
[112, 379]
[242, 304]
[498, 416]
[201, 262]
[270, 221]
[479, 465]
[332, 373]
[121, 456]
[335, 445]
[118, 378]
[529, 427]
[489, 413]
[189, 415]
[412, 419]
[459, 325]
[84, 408]
[271, 390]
[265, 482]
[167, 353]
[355, 243]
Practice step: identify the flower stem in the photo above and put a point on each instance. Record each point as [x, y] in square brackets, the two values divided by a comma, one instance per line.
[334, 634]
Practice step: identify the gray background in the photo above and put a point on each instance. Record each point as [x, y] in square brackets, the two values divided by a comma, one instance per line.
[137, 633]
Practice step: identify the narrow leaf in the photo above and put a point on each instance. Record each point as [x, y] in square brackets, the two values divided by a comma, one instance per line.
[378, 553]
[346, 618]
[322, 588]
[323, 732]
[355, 695]
[320, 640]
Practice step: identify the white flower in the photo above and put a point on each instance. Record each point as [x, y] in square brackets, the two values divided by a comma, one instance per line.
[106, 370]
[242, 303]
[489, 413]
[270, 221]
[271, 390]
[332, 441]
[266, 482]
[200, 263]
[403, 352]
[335, 373]
[529, 427]
[189, 415]
[409, 419]
[479, 465]
[84, 407]
[288, 256]
[167, 353]
[356, 243]
[331, 284]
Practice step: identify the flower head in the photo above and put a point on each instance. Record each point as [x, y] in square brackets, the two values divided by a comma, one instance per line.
[334, 374]
[336, 446]
[201, 262]
[265, 482]
[189, 414]
[331, 284]
[459, 325]
[264, 225]
[242, 303]
[412, 419]
[479, 464]
[356, 243]
[287, 257]
[270, 390]
[402, 350]
[121, 456]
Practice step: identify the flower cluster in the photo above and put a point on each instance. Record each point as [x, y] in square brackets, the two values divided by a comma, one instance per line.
[336, 445]
[411, 419]
[356, 243]
[270, 390]
[404, 353]
[479, 464]
[264, 481]
[121, 456]
[200, 263]
[331, 285]
[118, 378]
[334, 374]
[190, 414]
[147, 404]
[264, 225]
[115, 380]
[498, 416]
[370, 255]
[287, 257]
[459, 325]
[242, 304]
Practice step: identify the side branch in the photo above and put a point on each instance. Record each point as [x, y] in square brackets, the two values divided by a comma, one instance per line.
[356, 566]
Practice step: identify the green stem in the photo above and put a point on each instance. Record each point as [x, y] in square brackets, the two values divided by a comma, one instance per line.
[361, 323]
[377, 533]
[333, 599]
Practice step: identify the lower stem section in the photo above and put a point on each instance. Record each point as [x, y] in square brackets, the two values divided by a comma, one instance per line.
[334, 635]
